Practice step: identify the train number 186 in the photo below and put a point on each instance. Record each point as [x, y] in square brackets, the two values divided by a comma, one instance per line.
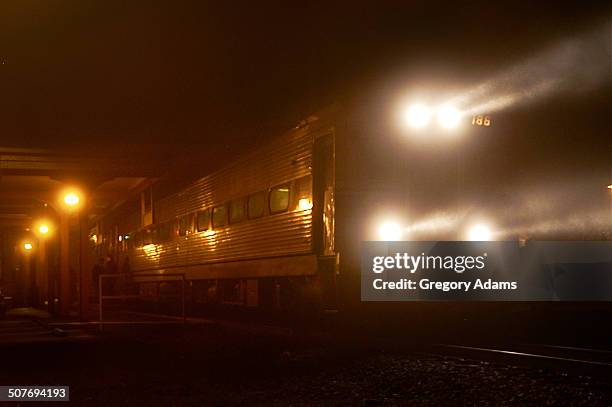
[481, 120]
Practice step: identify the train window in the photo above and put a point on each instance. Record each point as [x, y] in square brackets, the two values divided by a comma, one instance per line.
[154, 231]
[190, 223]
[185, 225]
[175, 227]
[257, 204]
[148, 236]
[203, 220]
[279, 199]
[182, 226]
[302, 193]
[219, 217]
[237, 210]
[135, 239]
[164, 231]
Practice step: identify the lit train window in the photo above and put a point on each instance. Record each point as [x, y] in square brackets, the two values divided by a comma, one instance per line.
[237, 210]
[302, 193]
[182, 226]
[203, 220]
[219, 217]
[279, 199]
[257, 205]
[185, 225]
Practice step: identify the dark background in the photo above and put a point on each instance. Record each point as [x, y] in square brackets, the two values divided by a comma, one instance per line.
[225, 75]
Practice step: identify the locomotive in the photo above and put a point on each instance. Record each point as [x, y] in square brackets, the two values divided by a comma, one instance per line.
[281, 227]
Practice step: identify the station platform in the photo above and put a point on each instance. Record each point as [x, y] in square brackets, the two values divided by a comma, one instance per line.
[31, 325]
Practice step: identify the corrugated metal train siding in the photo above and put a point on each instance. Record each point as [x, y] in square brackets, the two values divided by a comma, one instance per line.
[287, 158]
[282, 234]
[288, 233]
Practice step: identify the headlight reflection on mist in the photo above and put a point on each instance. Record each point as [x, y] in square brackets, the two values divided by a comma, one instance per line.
[437, 223]
[574, 65]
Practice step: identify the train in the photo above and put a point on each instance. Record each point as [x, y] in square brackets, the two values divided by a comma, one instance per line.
[281, 227]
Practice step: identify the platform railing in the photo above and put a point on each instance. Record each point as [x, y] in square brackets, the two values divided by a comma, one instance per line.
[158, 278]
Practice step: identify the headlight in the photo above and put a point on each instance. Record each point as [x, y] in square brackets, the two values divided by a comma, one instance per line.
[417, 116]
[479, 233]
[448, 116]
[390, 231]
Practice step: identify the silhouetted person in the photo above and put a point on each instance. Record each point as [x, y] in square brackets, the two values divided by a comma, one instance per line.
[126, 278]
[2, 303]
[110, 267]
[97, 269]
[125, 268]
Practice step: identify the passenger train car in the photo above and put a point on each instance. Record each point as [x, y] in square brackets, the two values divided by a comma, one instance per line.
[281, 227]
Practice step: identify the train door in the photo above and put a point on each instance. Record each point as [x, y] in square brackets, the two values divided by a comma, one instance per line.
[323, 217]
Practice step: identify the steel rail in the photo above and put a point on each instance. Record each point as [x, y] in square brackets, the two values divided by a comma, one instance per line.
[529, 355]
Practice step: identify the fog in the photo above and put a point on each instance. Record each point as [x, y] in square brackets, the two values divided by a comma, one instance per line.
[575, 65]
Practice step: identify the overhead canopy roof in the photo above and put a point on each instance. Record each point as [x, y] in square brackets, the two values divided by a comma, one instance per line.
[31, 180]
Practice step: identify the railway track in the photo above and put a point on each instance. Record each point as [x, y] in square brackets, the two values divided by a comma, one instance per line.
[558, 357]
[560, 354]
[586, 361]
[18, 332]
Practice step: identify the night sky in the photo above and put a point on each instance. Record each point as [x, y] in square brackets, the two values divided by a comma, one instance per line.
[225, 75]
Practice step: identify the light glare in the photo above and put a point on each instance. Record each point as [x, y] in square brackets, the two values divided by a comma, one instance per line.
[151, 250]
[480, 233]
[27, 246]
[418, 115]
[390, 231]
[43, 229]
[448, 117]
[71, 199]
[305, 204]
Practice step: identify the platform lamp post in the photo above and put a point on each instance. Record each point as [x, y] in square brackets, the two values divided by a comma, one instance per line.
[70, 203]
[85, 265]
[610, 190]
[43, 229]
[27, 247]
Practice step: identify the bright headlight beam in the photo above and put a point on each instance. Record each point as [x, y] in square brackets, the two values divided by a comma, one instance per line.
[479, 233]
[417, 115]
[390, 231]
[577, 64]
[448, 116]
